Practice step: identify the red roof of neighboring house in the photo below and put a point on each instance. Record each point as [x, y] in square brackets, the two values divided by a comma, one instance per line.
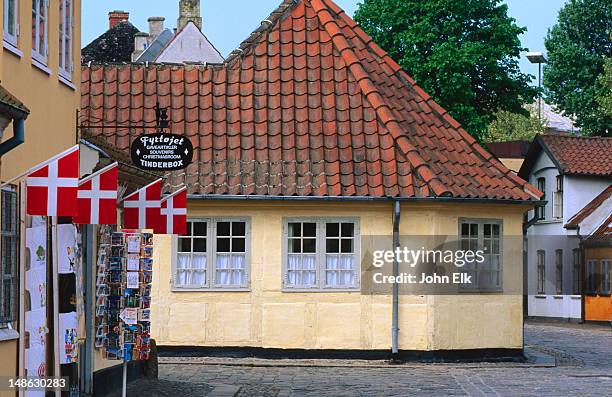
[12, 104]
[307, 106]
[577, 155]
[603, 233]
[581, 215]
[510, 149]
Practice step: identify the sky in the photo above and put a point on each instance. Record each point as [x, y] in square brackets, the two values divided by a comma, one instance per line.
[228, 22]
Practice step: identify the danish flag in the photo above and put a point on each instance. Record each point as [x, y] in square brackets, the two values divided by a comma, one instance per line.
[52, 186]
[97, 198]
[142, 208]
[174, 214]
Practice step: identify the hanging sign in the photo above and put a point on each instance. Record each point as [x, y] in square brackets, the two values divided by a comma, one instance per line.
[162, 152]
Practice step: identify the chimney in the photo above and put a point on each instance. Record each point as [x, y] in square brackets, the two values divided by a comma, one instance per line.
[116, 17]
[156, 26]
[141, 42]
[189, 11]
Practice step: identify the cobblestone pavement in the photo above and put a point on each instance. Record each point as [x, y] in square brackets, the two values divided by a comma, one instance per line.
[579, 364]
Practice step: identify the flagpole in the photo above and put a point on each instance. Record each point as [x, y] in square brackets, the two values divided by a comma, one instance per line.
[39, 166]
[98, 173]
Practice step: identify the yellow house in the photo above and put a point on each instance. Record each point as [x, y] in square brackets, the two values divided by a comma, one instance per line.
[39, 65]
[313, 149]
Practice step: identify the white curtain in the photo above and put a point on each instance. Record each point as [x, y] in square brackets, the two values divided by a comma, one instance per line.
[182, 274]
[340, 271]
[238, 270]
[302, 270]
[191, 270]
[198, 265]
[223, 269]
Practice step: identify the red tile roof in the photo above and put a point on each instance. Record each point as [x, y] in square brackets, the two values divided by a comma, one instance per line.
[510, 149]
[577, 155]
[588, 209]
[12, 104]
[307, 106]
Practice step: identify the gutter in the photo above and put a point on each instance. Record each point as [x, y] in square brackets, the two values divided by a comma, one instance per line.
[17, 139]
[433, 200]
[395, 314]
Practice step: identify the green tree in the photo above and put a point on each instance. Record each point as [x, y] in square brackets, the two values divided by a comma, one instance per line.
[577, 46]
[605, 82]
[463, 53]
[509, 126]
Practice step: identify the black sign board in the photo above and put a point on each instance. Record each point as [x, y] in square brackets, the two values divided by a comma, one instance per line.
[162, 152]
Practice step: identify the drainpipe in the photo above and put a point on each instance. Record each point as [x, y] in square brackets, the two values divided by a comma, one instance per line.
[395, 323]
[17, 139]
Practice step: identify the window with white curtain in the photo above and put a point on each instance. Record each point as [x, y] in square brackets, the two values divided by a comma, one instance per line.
[485, 235]
[213, 254]
[9, 247]
[604, 280]
[40, 13]
[321, 254]
[591, 277]
[11, 21]
[65, 38]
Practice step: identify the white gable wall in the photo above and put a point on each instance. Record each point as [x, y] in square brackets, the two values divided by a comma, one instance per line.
[190, 46]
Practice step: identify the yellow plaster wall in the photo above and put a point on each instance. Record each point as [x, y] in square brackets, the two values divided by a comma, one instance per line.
[267, 317]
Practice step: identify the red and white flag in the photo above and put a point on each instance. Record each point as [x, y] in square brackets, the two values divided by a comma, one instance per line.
[97, 198]
[52, 186]
[141, 209]
[174, 214]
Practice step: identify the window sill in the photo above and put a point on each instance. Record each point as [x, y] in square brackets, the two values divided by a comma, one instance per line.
[67, 82]
[10, 47]
[42, 67]
[207, 289]
[557, 296]
[540, 296]
[576, 297]
[548, 221]
[319, 290]
[7, 334]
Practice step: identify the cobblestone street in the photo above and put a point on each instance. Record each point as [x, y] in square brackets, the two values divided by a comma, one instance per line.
[565, 360]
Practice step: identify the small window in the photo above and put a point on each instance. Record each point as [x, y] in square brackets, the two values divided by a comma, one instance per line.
[541, 257]
[213, 254]
[65, 38]
[558, 199]
[591, 274]
[487, 236]
[321, 254]
[11, 21]
[40, 12]
[541, 211]
[559, 271]
[604, 278]
[9, 257]
[576, 272]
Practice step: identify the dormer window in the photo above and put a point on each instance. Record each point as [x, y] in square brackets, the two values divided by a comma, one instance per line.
[541, 211]
[558, 199]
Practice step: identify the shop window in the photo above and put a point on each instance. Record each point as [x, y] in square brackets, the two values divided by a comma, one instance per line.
[11, 21]
[559, 271]
[486, 236]
[576, 272]
[541, 264]
[213, 254]
[558, 199]
[604, 278]
[321, 254]
[9, 233]
[66, 28]
[40, 12]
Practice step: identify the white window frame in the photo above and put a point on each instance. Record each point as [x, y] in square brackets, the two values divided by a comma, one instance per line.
[559, 271]
[37, 55]
[558, 199]
[541, 271]
[476, 269]
[541, 210]
[6, 318]
[320, 285]
[211, 257]
[66, 34]
[9, 38]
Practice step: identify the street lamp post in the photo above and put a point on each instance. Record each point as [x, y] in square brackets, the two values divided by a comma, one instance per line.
[539, 58]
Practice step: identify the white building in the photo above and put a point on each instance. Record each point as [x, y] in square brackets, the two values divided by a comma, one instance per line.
[571, 171]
